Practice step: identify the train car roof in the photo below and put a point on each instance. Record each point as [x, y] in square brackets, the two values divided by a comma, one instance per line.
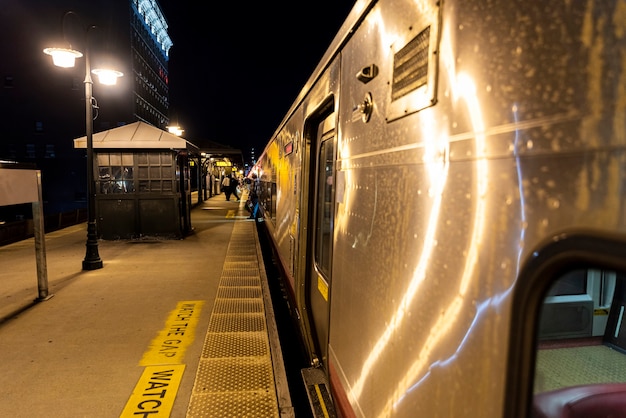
[343, 34]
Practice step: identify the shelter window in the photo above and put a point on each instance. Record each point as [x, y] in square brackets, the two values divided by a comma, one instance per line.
[155, 172]
[115, 173]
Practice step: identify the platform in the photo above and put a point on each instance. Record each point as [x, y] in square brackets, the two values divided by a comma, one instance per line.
[180, 328]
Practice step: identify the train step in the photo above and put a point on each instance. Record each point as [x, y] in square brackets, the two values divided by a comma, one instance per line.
[317, 391]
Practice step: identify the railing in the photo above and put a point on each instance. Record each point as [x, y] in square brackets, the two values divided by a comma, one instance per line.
[15, 231]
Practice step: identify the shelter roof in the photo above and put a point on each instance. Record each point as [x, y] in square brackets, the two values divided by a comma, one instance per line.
[137, 135]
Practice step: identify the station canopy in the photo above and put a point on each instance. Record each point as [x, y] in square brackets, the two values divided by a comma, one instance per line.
[137, 135]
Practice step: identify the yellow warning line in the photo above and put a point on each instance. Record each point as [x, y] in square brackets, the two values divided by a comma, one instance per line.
[155, 392]
[321, 399]
[172, 341]
[157, 387]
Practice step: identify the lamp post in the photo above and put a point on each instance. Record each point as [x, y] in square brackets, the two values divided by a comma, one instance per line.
[65, 57]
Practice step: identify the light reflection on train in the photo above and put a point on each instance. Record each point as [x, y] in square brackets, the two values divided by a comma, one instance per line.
[445, 198]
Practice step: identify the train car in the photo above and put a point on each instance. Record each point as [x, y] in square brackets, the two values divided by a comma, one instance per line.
[446, 200]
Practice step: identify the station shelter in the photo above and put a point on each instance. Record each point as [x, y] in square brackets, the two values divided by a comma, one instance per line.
[142, 181]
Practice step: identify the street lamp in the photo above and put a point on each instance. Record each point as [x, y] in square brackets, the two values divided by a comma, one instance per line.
[65, 57]
[175, 129]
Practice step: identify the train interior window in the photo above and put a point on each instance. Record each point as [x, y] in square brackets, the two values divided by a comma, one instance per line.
[572, 283]
[581, 347]
[267, 198]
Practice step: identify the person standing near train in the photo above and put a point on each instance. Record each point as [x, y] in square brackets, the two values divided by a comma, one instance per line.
[234, 187]
[226, 181]
[253, 198]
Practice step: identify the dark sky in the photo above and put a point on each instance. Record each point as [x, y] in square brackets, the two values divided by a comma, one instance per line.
[235, 69]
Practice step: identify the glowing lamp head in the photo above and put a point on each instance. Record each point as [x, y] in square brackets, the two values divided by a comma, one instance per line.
[107, 77]
[63, 57]
[176, 130]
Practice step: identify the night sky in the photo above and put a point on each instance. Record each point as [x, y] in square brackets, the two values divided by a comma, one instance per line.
[235, 69]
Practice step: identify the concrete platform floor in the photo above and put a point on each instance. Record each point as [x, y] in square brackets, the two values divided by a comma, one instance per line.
[77, 354]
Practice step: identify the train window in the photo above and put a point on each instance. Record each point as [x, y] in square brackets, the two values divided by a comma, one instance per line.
[267, 198]
[272, 198]
[324, 215]
[581, 346]
[572, 283]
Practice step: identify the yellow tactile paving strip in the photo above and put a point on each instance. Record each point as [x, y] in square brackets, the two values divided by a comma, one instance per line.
[235, 374]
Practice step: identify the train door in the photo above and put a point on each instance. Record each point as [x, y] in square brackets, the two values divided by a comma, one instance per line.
[318, 275]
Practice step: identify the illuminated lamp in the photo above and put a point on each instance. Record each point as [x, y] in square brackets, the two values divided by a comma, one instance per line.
[176, 130]
[107, 77]
[63, 57]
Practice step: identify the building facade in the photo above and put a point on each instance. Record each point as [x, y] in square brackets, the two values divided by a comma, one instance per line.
[150, 44]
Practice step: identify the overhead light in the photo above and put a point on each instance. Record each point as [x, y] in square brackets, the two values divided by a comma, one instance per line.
[63, 57]
[107, 77]
[176, 130]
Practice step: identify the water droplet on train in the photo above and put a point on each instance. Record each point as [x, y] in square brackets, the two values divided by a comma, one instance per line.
[554, 203]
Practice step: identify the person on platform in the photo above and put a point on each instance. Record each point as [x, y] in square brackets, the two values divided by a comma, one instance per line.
[234, 187]
[253, 198]
[226, 187]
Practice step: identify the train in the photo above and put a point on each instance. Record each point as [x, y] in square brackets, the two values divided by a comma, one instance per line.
[445, 198]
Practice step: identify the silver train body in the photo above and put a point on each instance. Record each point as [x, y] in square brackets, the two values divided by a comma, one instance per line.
[444, 166]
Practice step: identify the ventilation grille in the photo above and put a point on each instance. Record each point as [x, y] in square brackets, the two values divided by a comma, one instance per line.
[410, 66]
